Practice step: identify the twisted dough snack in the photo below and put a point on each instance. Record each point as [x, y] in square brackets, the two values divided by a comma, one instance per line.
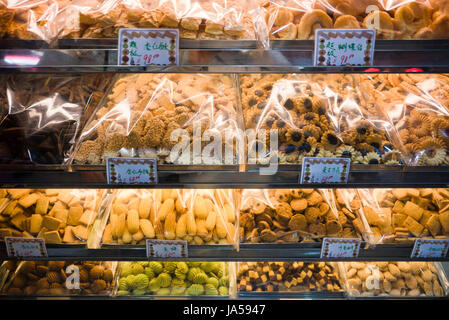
[316, 19]
[346, 22]
[385, 26]
[412, 17]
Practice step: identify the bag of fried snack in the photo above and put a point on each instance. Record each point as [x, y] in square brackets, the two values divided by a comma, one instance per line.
[57, 215]
[348, 207]
[417, 106]
[180, 119]
[378, 218]
[395, 279]
[62, 278]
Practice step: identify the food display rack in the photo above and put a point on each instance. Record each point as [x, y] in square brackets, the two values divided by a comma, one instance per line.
[284, 56]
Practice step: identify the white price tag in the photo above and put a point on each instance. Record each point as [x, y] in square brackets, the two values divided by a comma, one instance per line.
[145, 47]
[166, 249]
[344, 47]
[131, 170]
[324, 170]
[25, 247]
[340, 248]
[430, 248]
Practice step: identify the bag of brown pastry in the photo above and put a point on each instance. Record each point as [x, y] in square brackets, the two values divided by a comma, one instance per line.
[416, 213]
[417, 106]
[288, 277]
[57, 215]
[288, 215]
[44, 113]
[395, 279]
[378, 217]
[181, 119]
[61, 278]
[366, 134]
[348, 206]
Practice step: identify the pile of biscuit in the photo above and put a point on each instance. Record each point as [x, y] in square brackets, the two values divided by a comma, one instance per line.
[60, 278]
[291, 216]
[396, 279]
[314, 117]
[412, 20]
[288, 276]
[160, 116]
[417, 213]
[196, 216]
[56, 215]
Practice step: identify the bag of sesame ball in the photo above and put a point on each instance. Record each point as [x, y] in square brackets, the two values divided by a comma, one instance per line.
[367, 137]
[62, 278]
[417, 106]
[378, 218]
[179, 119]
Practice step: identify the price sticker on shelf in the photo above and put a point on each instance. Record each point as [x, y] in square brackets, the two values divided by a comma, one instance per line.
[340, 248]
[430, 248]
[344, 47]
[324, 170]
[131, 170]
[25, 247]
[166, 249]
[147, 47]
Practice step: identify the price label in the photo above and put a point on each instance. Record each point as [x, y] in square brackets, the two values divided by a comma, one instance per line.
[340, 248]
[146, 47]
[131, 170]
[344, 47]
[430, 248]
[25, 247]
[166, 249]
[324, 170]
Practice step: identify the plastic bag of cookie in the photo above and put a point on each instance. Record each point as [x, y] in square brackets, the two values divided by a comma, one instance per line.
[395, 279]
[377, 217]
[417, 106]
[290, 215]
[416, 213]
[179, 119]
[175, 278]
[295, 19]
[294, 277]
[61, 278]
[43, 114]
[69, 216]
[196, 216]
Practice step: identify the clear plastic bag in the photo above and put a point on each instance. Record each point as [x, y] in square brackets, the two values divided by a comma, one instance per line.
[62, 278]
[180, 119]
[298, 19]
[395, 279]
[416, 213]
[196, 216]
[319, 277]
[175, 279]
[44, 114]
[288, 215]
[56, 215]
[417, 106]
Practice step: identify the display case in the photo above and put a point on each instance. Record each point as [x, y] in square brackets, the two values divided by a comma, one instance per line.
[252, 232]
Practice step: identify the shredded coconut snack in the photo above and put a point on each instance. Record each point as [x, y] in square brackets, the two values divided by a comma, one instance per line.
[174, 118]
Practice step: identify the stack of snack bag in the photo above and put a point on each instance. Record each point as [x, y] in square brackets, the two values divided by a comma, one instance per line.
[179, 119]
[288, 277]
[43, 113]
[416, 213]
[198, 216]
[314, 116]
[417, 107]
[298, 19]
[291, 215]
[61, 278]
[56, 215]
[174, 279]
[395, 279]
